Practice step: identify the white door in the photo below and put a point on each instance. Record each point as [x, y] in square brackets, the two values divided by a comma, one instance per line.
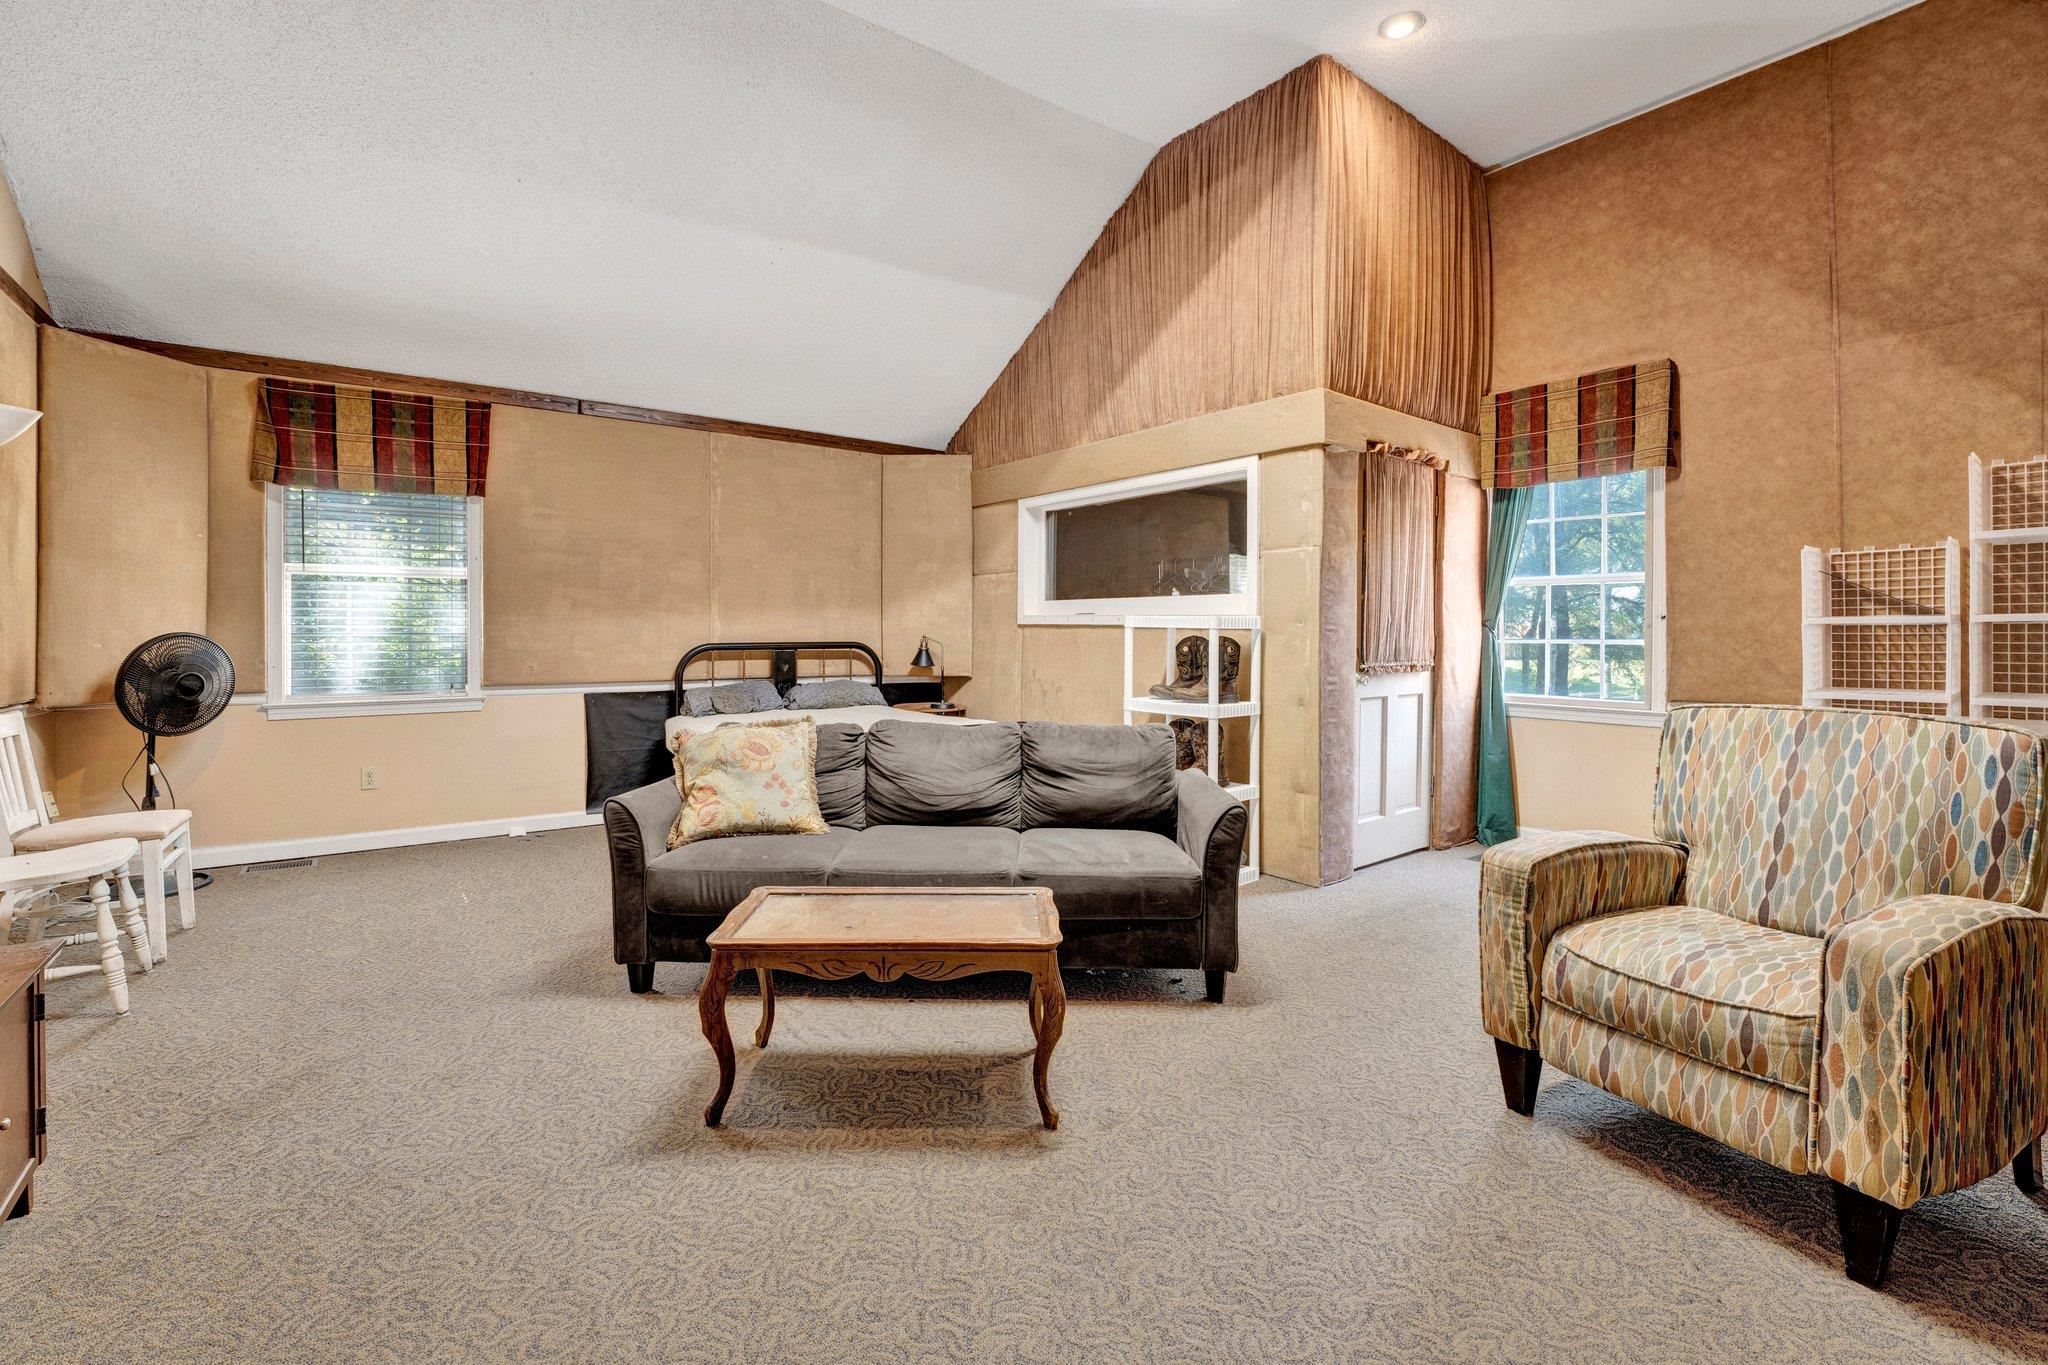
[1392, 767]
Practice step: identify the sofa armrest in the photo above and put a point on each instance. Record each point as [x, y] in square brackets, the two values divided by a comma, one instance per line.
[635, 823]
[1932, 1063]
[1210, 826]
[1531, 887]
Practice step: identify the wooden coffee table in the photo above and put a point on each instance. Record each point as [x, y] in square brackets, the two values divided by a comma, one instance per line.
[886, 932]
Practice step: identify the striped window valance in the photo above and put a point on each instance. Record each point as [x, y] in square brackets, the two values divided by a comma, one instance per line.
[369, 440]
[1606, 422]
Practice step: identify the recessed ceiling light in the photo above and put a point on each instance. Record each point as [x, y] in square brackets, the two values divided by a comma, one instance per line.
[1403, 25]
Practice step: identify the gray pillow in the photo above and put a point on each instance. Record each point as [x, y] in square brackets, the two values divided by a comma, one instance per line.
[697, 702]
[1099, 776]
[842, 771]
[921, 773]
[741, 698]
[833, 692]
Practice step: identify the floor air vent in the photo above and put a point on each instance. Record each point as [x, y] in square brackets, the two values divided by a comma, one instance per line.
[285, 865]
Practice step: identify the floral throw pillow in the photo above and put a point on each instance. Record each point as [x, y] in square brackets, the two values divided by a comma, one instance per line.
[748, 779]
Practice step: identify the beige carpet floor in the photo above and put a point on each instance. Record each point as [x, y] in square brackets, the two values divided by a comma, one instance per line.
[400, 1106]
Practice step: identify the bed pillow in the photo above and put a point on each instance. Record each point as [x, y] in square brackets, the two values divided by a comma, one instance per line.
[697, 702]
[829, 693]
[742, 698]
[748, 779]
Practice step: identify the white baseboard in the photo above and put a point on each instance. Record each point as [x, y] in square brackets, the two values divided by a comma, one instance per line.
[277, 850]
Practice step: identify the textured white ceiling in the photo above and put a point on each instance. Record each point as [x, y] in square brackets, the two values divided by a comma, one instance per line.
[837, 217]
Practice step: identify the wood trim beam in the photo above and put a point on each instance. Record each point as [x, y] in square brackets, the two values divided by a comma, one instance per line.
[22, 299]
[319, 373]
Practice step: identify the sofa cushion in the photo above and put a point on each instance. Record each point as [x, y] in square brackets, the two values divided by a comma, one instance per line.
[927, 855]
[927, 774]
[711, 876]
[1098, 776]
[1110, 873]
[1698, 982]
[842, 768]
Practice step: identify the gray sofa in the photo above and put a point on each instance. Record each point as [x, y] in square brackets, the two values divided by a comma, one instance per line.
[1142, 860]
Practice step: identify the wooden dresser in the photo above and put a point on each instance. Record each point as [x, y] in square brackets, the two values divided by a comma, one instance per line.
[22, 1112]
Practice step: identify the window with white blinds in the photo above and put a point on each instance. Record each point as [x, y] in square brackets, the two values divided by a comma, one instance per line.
[374, 595]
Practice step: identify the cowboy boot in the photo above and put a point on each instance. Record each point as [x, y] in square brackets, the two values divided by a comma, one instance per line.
[1190, 680]
[1190, 743]
[1229, 654]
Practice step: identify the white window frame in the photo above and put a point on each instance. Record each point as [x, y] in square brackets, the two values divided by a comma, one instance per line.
[280, 704]
[1034, 610]
[1650, 710]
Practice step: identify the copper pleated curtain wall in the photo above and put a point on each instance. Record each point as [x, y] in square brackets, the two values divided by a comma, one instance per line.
[1397, 565]
[1313, 235]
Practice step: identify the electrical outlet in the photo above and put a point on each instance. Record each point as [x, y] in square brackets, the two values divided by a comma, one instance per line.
[369, 779]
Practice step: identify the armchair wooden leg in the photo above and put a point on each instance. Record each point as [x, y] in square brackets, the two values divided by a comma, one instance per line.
[2026, 1168]
[640, 976]
[1521, 1069]
[1869, 1228]
[1213, 982]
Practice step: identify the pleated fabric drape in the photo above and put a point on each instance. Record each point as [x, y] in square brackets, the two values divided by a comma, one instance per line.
[1496, 768]
[1397, 565]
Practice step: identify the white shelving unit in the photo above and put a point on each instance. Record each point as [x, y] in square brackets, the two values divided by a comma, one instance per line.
[2009, 589]
[1882, 628]
[1250, 687]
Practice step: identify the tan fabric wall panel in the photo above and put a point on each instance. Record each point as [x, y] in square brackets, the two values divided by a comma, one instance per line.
[234, 528]
[1699, 231]
[928, 560]
[1844, 342]
[124, 509]
[796, 542]
[18, 463]
[598, 548]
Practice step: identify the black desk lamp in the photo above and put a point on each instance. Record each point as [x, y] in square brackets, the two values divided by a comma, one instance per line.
[923, 659]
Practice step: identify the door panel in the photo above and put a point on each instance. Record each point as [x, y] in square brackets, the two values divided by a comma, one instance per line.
[1391, 767]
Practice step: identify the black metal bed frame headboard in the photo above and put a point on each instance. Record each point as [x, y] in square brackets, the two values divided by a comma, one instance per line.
[782, 658]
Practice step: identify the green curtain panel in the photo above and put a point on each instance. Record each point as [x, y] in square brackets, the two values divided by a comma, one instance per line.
[1496, 774]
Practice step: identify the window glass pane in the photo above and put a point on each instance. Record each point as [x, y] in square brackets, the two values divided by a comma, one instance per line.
[1532, 558]
[1521, 615]
[1578, 546]
[376, 592]
[1574, 670]
[1522, 669]
[1539, 502]
[1625, 491]
[1625, 611]
[1575, 612]
[1181, 543]
[1578, 498]
[1625, 672]
[1625, 544]
[354, 634]
[333, 529]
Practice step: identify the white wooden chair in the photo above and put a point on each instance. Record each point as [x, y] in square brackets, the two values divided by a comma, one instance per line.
[164, 837]
[28, 886]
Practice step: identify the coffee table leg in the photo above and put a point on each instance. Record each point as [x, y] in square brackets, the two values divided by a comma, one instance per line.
[767, 1025]
[1031, 1005]
[711, 1012]
[1050, 1009]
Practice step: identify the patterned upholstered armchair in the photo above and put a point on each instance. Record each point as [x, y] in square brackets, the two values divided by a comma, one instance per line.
[1826, 958]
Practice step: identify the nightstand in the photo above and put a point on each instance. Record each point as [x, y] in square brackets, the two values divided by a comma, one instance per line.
[932, 708]
[21, 1073]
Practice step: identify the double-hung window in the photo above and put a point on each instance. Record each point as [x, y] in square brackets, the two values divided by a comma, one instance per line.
[374, 601]
[1581, 628]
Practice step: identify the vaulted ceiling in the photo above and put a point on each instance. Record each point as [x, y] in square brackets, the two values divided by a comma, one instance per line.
[840, 217]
